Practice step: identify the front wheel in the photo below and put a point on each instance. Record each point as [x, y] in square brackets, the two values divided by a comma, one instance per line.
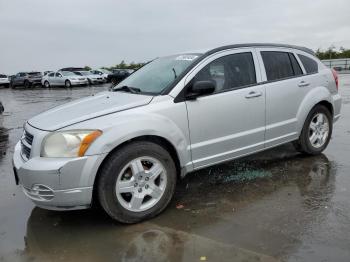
[137, 182]
[26, 84]
[68, 84]
[47, 84]
[317, 131]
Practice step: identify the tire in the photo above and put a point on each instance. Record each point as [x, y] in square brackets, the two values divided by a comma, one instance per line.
[68, 84]
[112, 172]
[304, 144]
[89, 82]
[47, 84]
[27, 84]
[114, 81]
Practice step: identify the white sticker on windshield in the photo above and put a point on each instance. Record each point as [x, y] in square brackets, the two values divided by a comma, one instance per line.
[186, 57]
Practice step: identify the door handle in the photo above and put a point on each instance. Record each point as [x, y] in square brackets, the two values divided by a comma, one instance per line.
[303, 84]
[253, 94]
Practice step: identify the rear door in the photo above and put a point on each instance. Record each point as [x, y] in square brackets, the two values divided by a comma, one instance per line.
[285, 90]
[231, 121]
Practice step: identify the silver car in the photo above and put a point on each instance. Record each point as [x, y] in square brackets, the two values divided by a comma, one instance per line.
[92, 78]
[63, 78]
[126, 148]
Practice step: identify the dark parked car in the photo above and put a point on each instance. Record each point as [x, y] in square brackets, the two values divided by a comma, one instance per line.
[26, 79]
[118, 75]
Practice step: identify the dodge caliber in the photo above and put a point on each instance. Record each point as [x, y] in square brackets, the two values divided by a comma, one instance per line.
[127, 147]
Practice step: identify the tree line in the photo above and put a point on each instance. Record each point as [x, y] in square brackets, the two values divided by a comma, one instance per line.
[333, 53]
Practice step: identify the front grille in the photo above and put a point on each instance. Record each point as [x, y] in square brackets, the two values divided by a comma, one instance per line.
[28, 137]
[39, 193]
[26, 144]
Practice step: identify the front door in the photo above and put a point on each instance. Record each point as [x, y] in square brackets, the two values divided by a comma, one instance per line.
[231, 121]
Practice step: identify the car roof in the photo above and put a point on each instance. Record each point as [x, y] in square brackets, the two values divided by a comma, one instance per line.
[209, 51]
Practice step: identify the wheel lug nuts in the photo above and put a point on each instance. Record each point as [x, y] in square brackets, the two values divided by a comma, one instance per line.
[140, 190]
[146, 186]
[147, 178]
[135, 185]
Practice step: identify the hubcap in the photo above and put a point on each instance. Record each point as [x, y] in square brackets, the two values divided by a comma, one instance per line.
[141, 184]
[318, 130]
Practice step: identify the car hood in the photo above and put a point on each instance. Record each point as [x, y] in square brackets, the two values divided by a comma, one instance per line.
[87, 108]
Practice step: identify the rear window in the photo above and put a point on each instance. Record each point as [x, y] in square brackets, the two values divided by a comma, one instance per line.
[3, 76]
[34, 73]
[279, 65]
[310, 65]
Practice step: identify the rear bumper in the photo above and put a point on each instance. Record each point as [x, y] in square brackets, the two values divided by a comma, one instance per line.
[337, 100]
[57, 184]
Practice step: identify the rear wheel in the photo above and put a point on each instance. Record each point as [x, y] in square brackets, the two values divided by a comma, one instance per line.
[47, 84]
[137, 182]
[67, 84]
[317, 131]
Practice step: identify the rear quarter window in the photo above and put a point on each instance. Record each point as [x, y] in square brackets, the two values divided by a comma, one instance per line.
[277, 64]
[310, 65]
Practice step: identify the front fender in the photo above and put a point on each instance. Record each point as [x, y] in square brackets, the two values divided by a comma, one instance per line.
[315, 96]
[124, 127]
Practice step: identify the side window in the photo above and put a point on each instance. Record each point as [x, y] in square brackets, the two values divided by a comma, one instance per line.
[51, 74]
[277, 65]
[58, 75]
[310, 65]
[296, 67]
[229, 72]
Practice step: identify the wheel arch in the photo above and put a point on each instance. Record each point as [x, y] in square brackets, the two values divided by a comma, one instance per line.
[165, 143]
[318, 96]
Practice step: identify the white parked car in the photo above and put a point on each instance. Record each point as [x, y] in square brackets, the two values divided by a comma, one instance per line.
[92, 78]
[4, 80]
[63, 78]
[102, 72]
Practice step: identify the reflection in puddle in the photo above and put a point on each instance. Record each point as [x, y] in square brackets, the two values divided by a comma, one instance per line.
[291, 188]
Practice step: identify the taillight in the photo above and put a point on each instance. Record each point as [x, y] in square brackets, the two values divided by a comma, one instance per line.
[335, 75]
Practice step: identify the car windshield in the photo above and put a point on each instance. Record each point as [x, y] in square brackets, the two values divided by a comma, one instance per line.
[105, 71]
[157, 75]
[3, 76]
[67, 73]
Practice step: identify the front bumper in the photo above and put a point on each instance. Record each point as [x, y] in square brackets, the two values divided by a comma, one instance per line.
[57, 183]
[79, 82]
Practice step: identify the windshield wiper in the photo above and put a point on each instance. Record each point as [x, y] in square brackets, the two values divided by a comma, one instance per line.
[129, 89]
[174, 73]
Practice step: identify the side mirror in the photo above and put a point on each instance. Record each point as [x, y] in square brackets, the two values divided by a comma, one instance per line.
[200, 88]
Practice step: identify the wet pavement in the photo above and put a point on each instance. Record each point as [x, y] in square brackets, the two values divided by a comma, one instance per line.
[273, 206]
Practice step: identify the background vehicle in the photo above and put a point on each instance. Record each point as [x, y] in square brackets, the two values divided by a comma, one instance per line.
[176, 114]
[118, 75]
[92, 78]
[47, 72]
[4, 80]
[2, 109]
[102, 72]
[63, 78]
[26, 79]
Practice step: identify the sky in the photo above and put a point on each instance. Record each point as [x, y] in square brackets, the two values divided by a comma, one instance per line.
[48, 35]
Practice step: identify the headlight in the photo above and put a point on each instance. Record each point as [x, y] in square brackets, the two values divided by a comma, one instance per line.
[68, 143]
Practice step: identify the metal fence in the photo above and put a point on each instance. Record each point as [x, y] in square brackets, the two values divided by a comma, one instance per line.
[340, 65]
